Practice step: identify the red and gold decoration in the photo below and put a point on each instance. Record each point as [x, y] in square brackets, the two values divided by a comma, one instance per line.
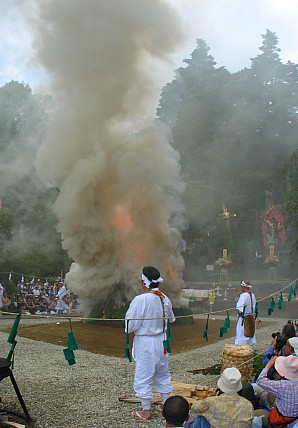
[273, 226]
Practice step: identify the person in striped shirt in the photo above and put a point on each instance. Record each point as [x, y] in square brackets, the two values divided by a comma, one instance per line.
[285, 390]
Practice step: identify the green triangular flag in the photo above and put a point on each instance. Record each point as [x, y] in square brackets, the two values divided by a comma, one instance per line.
[14, 329]
[243, 315]
[270, 311]
[71, 343]
[222, 331]
[127, 346]
[127, 353]
[290, 295]
[227, 320]
[280, 301]
[169, 334]
[69, 356]
[256, 310]
[271, 307]
[166, 346]
[205, 334]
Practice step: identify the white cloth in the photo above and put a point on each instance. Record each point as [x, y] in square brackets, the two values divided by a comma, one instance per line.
[61, 305]
[151, 364]
[1, 295]
[245, 300]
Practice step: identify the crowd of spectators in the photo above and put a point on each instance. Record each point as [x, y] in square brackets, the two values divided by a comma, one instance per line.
[38, 297]
[270, 402]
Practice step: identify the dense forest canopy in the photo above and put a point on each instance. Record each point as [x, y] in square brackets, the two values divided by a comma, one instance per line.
[28, 236]
[236, 134]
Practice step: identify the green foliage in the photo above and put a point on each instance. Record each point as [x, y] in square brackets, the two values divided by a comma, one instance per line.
[257, 363]
[233, 133]
[10, 287]
[183, 312]
[29, 241]
[6, 224]
[290, 171]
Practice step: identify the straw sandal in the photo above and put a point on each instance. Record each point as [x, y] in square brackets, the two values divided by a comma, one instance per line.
[142, 414]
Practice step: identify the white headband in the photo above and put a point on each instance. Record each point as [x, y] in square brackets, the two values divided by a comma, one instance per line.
[147, 281]
[243, 284]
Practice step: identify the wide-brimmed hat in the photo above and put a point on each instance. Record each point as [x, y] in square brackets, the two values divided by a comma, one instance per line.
[287, 367]
[230, 380]
[293, 341]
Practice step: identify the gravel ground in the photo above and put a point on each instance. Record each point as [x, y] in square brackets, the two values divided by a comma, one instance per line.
[86, 395]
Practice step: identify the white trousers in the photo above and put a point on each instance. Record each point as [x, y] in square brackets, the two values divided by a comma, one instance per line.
[61, 305]
[240, 339]
[151, 368]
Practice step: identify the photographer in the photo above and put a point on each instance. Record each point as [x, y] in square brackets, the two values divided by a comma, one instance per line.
[278, 342]
[278, 347]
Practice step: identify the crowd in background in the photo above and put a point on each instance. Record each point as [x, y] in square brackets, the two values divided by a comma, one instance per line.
[37, 297]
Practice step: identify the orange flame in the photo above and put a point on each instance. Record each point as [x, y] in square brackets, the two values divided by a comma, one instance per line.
[122, 220]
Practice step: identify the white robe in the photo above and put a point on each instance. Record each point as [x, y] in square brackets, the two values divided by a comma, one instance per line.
[151, 364]
[244, 299]
[61, 305]
[1, 295]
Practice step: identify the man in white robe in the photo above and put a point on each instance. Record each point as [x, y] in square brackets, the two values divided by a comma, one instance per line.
[61, 306]
[246, 300]
[1, 294]
[152, 309]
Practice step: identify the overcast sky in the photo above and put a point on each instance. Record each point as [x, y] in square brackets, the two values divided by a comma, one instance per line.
[231, 28]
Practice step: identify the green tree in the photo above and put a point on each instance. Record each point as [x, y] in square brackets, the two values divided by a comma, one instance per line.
[233, 133]
[28, 236]
[291, 172]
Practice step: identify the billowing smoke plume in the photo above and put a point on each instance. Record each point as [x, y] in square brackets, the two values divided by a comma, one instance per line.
[118, 178]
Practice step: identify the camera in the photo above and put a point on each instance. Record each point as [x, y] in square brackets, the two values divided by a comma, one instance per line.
[279, 341]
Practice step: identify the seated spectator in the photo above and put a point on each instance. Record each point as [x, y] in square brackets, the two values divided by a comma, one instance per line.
[175, 411]
[22, 303]
[227, 409]
[5, 302]
[43, 303]
[52, 305]
[13, 306]
[248, 392]
[30, 305]
[291, 347]
[284, 388]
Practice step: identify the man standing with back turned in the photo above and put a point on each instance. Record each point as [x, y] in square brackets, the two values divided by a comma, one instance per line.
[147, 318]
[245, 306]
